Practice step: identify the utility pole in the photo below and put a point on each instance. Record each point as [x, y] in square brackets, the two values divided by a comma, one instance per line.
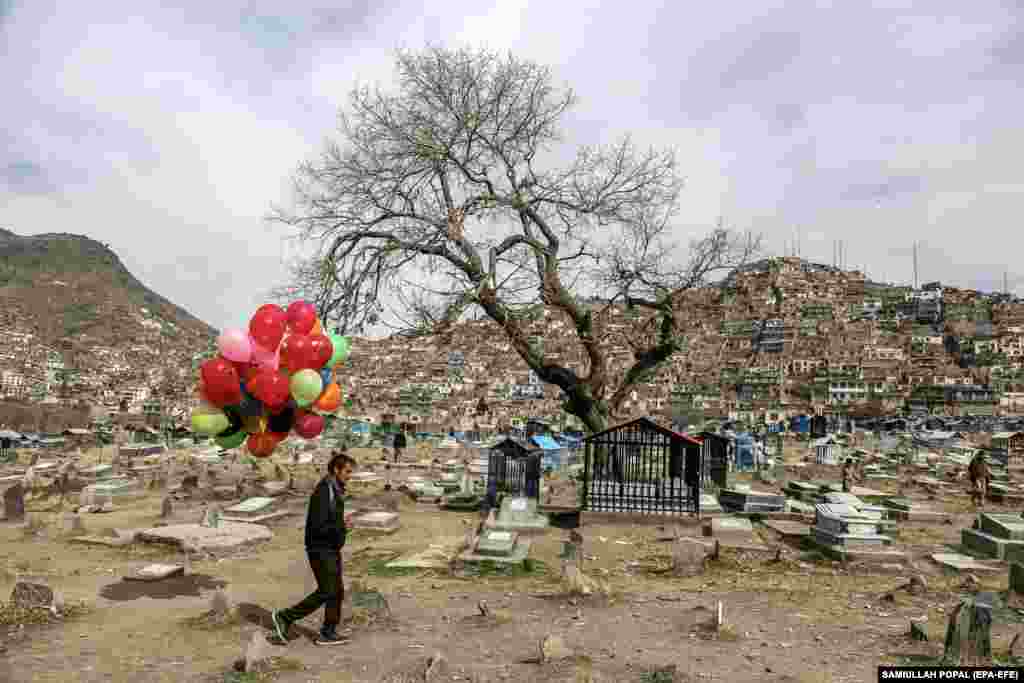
[915, 265]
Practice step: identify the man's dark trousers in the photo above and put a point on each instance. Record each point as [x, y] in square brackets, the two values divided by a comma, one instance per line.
[329, 591]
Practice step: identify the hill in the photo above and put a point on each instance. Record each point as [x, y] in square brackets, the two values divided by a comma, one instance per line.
[80, 327]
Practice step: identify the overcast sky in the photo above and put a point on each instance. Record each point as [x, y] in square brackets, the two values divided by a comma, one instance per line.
[167, 133]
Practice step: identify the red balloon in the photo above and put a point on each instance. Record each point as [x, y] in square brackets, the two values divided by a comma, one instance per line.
[267, 326]
[270, 387]
[299, 353]
[308, 425]
[278, 437]
[322, 350]
[301, 317]
[261, 444]
[220, 382]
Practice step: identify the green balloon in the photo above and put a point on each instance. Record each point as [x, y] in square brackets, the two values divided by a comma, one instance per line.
[209, 424]
[232, 440]
[303, 404]
[340, 345]
[306, 386]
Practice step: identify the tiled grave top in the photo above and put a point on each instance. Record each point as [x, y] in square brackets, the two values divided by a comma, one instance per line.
[844, 499]
[251, 505]
[496, 543]
[837, 510]
[1002, 525]
[379, 517]
[731, 524]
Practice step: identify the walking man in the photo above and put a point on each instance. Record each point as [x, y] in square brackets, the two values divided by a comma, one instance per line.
[399, 444]
[326, 524]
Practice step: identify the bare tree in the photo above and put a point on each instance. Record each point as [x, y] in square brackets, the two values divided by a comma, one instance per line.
[467, 140]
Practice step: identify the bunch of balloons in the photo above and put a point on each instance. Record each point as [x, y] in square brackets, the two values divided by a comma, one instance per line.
[274, 379]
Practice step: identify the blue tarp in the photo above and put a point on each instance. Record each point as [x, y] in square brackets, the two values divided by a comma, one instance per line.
[361, 428]
[546, 442]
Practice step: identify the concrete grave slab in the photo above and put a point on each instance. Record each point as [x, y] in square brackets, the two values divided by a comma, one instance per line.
[1008, 526]
[499, 543]
[379, 522]
[964, 563]
[980, 543]
[788, 529]
[156, 572]
[732, 530]
[227, 535]
[709, 503]
[436, 556]
[252, 506]
[519, 552]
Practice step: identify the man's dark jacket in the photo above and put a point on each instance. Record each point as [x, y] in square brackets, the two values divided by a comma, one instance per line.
[325, 521]
[400, 440]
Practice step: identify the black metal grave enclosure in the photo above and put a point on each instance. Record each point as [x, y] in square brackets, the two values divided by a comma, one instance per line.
[641, 467]
[513, 468]
[714, 461]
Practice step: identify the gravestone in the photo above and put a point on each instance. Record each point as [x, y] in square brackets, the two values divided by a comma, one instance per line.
[1007, 526]
[380, 522]
[211, 518]
[499, 543]
[502, 547]
[27, 594]
[519, 514]
[1017, 577]
[732, 530]
[72, 525]
[14, 503]
[741, 498]
[156, 572]
[995, 536]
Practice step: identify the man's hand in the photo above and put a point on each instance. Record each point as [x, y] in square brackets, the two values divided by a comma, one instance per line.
[348, 519]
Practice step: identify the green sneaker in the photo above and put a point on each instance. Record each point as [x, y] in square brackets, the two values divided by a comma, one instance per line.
[280, 626]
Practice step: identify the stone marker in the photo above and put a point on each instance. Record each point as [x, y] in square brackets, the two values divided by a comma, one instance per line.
[72, 524]
[257, 652]
[384, 522]
[733, 530]
[1017, 577]
[14, 503]
[31, 594]
[688, 557]
[553, 648]
[498, 543]
[156, 572]
[211, 518]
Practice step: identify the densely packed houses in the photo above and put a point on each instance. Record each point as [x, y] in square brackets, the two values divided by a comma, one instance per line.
[782, 337]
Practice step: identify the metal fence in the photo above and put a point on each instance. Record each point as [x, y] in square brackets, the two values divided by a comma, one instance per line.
[638, 469]
[516, 475]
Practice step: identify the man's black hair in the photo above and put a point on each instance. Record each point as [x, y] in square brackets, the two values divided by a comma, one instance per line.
[339, 459]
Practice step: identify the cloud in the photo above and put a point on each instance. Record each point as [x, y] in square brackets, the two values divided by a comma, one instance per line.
[168, 131]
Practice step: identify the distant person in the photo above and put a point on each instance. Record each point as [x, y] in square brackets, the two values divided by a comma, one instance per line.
[326, 524]
[980, 475]
[848, 474]
[399, 444]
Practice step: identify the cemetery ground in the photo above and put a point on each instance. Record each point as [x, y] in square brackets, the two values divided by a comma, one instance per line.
[789, 613]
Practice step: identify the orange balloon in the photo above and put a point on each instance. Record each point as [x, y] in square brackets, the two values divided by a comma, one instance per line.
[329, 399]
[261, 445]
[317, 329]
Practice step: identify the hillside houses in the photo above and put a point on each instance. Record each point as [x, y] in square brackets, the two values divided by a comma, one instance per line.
[783, 337]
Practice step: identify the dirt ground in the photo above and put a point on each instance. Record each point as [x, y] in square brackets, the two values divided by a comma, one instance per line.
[803, 619]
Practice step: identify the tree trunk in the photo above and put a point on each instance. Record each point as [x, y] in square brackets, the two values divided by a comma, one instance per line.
[969, 635]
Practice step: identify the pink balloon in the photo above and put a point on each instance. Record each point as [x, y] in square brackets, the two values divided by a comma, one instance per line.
[234, 344]
[269, 360]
